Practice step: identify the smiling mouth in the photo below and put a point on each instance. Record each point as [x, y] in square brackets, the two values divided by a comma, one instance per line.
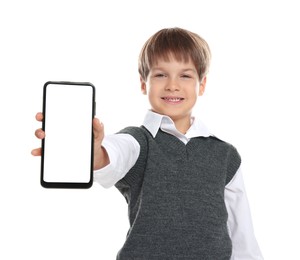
[172, 99]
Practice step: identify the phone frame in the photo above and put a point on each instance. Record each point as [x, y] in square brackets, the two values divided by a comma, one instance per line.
[67, 185]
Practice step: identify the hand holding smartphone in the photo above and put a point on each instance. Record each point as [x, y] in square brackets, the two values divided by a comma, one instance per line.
[67, 149]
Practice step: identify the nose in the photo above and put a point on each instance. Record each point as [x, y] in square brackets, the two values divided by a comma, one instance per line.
[172, 85]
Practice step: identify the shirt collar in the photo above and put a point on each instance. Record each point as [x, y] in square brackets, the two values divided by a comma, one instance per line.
[153, 122]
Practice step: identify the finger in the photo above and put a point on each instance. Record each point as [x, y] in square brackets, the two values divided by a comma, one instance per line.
[39, 133]
[36, 152]
[39, 116]
[97, 128]
[97, 124]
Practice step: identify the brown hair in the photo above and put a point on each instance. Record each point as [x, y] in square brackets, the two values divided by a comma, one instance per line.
[182, 44]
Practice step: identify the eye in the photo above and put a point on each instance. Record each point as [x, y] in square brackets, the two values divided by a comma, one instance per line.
[160, 75]
[186, 76]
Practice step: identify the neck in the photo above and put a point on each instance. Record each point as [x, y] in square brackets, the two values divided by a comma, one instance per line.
[182, 124]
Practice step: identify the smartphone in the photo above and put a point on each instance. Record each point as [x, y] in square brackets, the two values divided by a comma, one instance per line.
[67, 149]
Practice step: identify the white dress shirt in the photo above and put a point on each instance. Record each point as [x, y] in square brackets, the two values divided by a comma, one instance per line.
[123, 151]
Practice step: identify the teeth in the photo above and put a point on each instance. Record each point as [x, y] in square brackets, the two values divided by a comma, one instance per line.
[173, 99]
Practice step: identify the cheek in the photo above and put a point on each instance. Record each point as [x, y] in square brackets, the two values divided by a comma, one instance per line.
[152, 91]
[151, 95]
[194, 92]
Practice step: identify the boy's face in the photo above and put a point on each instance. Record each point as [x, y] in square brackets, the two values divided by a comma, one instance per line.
[173, 88]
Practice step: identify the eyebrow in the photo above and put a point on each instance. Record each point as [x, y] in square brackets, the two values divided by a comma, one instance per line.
[184, 70]
[190, 69]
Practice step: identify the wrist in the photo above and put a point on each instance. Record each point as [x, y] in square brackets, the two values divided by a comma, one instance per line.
[101, 158]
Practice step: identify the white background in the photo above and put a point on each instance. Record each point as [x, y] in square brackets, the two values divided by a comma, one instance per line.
[251, 101]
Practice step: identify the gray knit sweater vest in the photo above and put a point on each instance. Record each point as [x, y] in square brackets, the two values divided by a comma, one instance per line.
[175, 196]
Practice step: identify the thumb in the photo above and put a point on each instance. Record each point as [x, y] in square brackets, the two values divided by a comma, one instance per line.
[98, 130]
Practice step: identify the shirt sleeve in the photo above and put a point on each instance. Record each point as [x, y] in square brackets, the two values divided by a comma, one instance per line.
[123, 151]
[244, 244]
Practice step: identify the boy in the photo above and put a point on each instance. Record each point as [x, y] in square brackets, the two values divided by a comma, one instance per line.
[183, 186]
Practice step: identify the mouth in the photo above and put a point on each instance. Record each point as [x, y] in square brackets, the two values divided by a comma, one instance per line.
[173, 100]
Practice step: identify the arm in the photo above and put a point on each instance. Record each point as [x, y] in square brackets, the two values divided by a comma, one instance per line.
[113, 155]
[244, 244]
[123, 151]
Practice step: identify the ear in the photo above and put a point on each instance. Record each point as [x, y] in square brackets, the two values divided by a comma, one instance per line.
[143, 86]
[202, 86]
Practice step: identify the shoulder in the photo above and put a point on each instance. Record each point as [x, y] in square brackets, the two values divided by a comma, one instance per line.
[135, 174]
[223, 152]
[140, 134]
[217, 143]
[231, 150]
[232, 157]
[134, 130]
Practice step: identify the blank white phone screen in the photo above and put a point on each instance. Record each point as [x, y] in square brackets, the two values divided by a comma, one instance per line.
[68, 129]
